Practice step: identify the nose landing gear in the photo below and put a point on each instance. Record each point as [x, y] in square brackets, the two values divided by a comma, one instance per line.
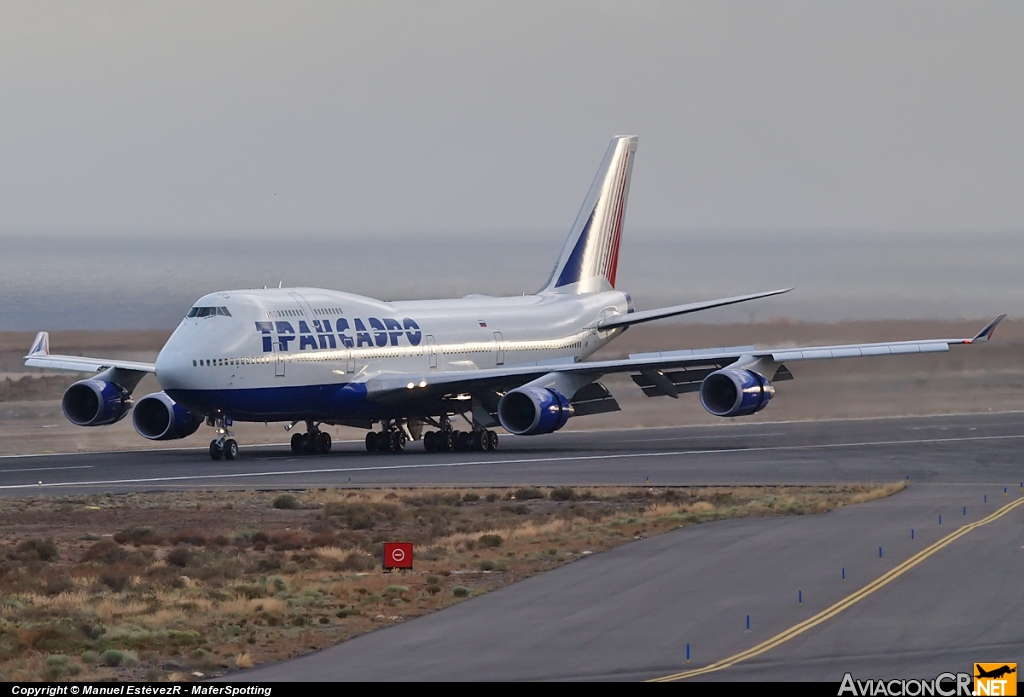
[222, 446]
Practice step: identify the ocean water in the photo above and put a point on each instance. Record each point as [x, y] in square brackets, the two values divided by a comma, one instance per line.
[96, 279]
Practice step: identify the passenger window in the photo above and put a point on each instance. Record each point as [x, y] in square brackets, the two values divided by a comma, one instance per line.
[193, 363]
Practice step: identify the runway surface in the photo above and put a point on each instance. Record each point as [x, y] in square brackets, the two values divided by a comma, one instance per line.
[952, 449]
[908, 610]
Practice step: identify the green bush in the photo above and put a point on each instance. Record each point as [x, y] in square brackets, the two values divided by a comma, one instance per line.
[112, 658]
[528, 492]
[490, 541]
[433, 589]
[287, 502]
[486, 565]
[460, 592]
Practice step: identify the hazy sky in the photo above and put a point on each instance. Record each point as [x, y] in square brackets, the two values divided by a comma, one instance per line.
[905, 115]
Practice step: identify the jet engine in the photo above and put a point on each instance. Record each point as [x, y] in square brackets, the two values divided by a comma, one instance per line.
[735, 392]
[158, 417]
[96, 403]
[531, 411]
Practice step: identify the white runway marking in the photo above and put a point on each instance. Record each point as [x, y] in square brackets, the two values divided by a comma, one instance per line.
[715, 437]
[49, 469]
[481, 463]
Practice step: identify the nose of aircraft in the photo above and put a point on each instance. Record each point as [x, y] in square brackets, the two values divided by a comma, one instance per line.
[172, 366]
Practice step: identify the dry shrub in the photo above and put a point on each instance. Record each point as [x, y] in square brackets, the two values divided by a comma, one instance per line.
[190, 536]
[322, 539]
[138, 535]
[37, 549]
[57, 585]
[106, 552]
[244, 660]
[356, 561]
[528, 492]
[563, 493]
[878, 492]
[179, 556]
[287, 539]
[490, 541]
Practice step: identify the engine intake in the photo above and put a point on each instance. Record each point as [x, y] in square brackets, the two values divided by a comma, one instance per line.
[95, 403]
[531, 411]
[735, 392]
[158, 417]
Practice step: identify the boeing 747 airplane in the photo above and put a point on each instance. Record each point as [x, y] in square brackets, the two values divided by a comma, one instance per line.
[313, 356]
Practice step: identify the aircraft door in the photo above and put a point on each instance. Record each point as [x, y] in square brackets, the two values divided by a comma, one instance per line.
[278, 360]
[431, 352]
[500, 344]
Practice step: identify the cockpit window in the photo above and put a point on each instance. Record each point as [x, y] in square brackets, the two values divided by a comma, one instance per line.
[208, 312]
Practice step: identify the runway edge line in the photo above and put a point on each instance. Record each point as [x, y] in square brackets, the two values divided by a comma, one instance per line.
[843, 604]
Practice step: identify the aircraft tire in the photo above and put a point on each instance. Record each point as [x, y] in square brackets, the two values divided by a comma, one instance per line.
[323, 443]
[371, 442]
[215, 451]
[428, 441]
[493, 437]
[400, 441]
[230, 449]
[446, 442]
[297, 443]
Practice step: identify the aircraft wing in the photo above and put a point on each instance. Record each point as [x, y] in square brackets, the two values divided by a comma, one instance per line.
[676, 310]
[687, 368]
[39, 356]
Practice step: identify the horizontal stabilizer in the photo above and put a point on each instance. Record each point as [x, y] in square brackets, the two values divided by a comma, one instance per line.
[663, 312]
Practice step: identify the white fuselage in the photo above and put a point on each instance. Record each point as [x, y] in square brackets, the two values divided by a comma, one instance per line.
[280, 353]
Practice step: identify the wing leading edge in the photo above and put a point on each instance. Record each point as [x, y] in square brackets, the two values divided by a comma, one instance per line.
[39, 356]
[387, 387]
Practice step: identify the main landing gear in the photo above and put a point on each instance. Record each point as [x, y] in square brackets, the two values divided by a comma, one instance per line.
[391, 440]
[312, 442]
[444, 441]
[222, 446]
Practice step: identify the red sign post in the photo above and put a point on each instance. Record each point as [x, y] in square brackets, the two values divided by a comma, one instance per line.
[397, 555]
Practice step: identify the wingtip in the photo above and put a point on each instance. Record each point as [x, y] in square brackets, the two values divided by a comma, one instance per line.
[41, 345]
[989, 329]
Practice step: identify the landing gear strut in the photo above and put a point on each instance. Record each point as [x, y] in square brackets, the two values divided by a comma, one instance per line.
[222, 446]
[313, 441]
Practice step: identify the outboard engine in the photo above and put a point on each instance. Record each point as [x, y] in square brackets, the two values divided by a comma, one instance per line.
[531, 411]
[158, 417]
[96, 403]
[735, 392]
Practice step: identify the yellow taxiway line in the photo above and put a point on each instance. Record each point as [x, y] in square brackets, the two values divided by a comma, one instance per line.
[846, 602]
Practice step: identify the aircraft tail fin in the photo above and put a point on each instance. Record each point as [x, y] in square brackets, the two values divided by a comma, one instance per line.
[590, 257]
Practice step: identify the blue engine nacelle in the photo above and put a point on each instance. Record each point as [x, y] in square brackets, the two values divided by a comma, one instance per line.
[158, 417]
[531, 411]
[735, 392]
[96, 403]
